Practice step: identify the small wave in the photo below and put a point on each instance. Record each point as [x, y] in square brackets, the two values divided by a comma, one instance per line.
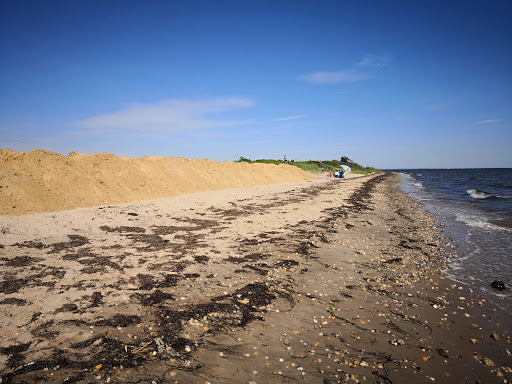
[482, 222]
[477, 194]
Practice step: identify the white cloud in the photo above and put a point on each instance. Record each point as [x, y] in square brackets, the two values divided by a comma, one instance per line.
[374, 61]
[175, 115]
[290, 118]
[488, 121]
[329, 78]
[358, 72]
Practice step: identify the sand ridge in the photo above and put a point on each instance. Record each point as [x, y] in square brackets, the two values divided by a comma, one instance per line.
[44, 181]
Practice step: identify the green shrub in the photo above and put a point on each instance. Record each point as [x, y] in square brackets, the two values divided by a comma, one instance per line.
[316, 166]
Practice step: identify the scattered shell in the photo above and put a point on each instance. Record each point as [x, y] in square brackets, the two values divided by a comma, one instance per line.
[397, 342]
[488, 362]
[495, 336]
[474, 341]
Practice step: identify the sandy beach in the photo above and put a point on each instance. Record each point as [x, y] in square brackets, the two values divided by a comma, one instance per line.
[319, 280]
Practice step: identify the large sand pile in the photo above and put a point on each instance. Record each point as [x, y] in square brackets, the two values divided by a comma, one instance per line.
[43, 181]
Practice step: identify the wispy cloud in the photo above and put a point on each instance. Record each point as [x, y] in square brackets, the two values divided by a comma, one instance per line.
[329, 78]
[359, 71]
[290, 118]
[175, 115]
[374, 61]
[488, 121]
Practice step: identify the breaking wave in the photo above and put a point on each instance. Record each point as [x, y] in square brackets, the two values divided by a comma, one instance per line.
[477, 194]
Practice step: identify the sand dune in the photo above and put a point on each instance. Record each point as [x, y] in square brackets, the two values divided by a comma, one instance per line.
[44, 181]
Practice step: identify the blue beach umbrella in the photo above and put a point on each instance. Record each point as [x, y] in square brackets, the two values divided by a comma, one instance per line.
[346, 168]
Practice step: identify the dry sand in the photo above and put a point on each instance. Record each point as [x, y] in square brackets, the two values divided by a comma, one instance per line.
[323, 281]
[43, 181]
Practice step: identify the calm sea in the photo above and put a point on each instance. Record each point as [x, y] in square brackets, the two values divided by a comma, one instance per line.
[476, 208]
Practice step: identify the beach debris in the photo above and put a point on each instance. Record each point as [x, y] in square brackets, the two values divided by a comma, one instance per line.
[474, 341]
[495, 336]
[442, 352]
[498, 284]
[488, 362]
[394, 260]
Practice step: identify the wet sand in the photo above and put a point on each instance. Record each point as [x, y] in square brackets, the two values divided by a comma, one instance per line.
[322, 281]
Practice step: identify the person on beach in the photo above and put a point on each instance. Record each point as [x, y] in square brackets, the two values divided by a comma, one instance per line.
[285, 160]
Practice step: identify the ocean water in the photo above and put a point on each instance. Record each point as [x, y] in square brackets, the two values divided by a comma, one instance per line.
[475, 206]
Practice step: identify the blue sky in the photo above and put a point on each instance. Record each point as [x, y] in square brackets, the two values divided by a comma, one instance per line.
[393, 84]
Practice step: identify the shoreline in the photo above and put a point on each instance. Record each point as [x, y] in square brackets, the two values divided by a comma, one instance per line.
[337, 280]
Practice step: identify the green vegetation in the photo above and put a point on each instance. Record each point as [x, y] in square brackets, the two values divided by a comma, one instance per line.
[316, 167]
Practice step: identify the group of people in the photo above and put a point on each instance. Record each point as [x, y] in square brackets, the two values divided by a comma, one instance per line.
[338, 174]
